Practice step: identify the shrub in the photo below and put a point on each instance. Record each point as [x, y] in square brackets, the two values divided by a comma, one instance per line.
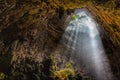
[2, 76]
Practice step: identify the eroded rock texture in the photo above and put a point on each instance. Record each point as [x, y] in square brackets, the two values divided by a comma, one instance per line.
[32, 28]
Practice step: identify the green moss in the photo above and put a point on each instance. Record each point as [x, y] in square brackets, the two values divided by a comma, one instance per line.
[74, 17]
[2, 76]
[64, 73]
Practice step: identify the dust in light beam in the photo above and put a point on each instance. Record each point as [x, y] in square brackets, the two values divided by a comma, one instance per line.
[82, 39]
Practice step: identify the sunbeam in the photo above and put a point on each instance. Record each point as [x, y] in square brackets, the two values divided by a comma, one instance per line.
[82, 38]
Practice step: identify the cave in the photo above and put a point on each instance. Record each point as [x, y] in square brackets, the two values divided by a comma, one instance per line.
[59, 40]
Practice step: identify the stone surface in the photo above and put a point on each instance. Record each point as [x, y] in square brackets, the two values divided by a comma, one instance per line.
[32, 28]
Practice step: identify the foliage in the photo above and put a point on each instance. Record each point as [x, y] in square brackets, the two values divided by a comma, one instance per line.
[64, 73]
[73, 17]
[2, 76]
[24, 13]
[69, 73]
[28, 69]
[46, 70]
[77, 16]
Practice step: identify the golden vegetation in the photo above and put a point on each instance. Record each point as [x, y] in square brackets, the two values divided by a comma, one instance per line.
[2, 76]
[108, 18]
[39, 10]
[65, 73]
[105, 13]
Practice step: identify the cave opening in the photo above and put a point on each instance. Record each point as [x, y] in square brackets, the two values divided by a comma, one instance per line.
[83, 43]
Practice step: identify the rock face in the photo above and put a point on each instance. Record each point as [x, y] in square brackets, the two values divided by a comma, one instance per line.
[32, 29]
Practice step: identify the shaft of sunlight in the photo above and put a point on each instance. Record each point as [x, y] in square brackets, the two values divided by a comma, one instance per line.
[82, 37]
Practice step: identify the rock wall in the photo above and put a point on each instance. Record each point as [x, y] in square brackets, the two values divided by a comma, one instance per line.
[32, 28]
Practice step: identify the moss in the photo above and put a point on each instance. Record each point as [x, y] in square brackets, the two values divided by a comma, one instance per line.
[29, 69]
[23, 12]
[74, 17]
[46, 70]
[2, 76]
[69, 73]
[64, 73]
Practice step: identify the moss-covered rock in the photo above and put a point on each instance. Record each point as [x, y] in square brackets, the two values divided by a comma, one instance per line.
[32, 29]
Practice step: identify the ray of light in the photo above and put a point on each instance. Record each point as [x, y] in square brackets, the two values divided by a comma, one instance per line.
[82, 38]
